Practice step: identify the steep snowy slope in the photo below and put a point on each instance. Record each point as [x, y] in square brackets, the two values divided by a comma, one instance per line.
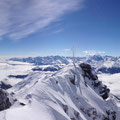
[65, 95]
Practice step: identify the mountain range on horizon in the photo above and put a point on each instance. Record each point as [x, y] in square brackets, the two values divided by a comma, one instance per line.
[104, 64]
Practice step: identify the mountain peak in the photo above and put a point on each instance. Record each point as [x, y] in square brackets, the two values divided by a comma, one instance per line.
[69, 94]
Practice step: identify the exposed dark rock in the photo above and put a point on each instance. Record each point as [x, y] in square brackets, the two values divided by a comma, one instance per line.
[116, 97]
[15, 100]
[56, 82]
[18, 76]
[91, 112]
[4, 100]
[65, 108]
[50, 69]
[105, 93]
[37, 69]
[96, 84]
[94, 77]
[12, 93]
[4, 86]
[111, 115]
[76, 114]
[108, 112]
[106, 118]
[72, 118]
[87, 69]
[72, 80]
[22, 104]
[85, 83]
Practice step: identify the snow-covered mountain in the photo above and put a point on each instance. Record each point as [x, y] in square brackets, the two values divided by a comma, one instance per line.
[101, 64]
[72, 93]
[104, 64]
[48, 60]
[51, 68]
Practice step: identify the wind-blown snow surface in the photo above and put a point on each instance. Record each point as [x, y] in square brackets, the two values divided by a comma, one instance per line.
[54, 97]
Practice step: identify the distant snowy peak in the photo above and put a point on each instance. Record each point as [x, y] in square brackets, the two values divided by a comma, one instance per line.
[50, 68]
[48, 60]
[94, 58]
[104, 64]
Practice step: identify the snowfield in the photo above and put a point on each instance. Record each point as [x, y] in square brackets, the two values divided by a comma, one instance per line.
[54, 96]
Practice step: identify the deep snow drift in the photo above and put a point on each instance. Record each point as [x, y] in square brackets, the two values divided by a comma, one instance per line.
[64, 95]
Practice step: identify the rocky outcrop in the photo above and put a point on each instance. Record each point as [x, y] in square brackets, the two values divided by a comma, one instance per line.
[4, 86]
[18, 76]
[88, 71]
[4, 100]
[103, 90]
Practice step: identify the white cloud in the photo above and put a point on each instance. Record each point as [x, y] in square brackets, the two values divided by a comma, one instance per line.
[93, 52]
[58, 31]
[20, 18]
[67, 49]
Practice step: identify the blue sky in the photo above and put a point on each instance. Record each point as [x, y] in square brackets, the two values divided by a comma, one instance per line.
[44, 27]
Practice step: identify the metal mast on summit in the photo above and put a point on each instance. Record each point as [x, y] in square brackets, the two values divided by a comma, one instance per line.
[77, 75]
[73, 50]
